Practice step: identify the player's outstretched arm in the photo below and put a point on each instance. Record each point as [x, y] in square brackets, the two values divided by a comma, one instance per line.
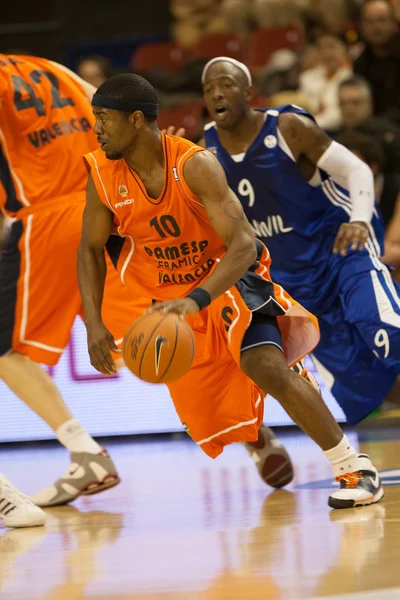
[306, 139]
[206, 178]
[92, 269]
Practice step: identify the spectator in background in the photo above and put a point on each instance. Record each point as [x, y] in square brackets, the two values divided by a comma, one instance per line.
[331, 15]
[355, 102]
[309, 57]
[387, 191]
[321, 83]
[281, 73]
[242, 15]
[195, 19]
[289, 97]
[379, 63]
[94, 69]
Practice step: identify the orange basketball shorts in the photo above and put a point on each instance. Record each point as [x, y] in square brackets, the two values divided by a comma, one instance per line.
[215, 401]
[39, 288]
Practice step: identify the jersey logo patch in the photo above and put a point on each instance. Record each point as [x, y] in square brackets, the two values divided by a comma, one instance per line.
[175, 172]
[270, 141]
[122, 190]
[213, 150]
[125, 202]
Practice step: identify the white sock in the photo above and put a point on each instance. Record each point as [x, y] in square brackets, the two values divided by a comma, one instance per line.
[342, 457]
[75, 438]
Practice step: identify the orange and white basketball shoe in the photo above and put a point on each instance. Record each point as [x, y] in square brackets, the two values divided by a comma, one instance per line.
[359, 487]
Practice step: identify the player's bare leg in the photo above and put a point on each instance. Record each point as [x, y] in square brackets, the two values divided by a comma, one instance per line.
[359, 480]
[270, 456]
[34, 386]
[91, 469]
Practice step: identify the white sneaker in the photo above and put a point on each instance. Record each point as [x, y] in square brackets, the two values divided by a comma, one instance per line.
[359, 486]
[16, 510]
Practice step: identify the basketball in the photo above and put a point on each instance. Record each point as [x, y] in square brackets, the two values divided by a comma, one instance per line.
[159, 348]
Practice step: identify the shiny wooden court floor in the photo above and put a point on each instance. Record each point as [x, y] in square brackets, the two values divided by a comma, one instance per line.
[183, 527]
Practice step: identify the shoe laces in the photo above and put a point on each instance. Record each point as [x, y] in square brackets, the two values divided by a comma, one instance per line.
[12, 494]
[350, 480]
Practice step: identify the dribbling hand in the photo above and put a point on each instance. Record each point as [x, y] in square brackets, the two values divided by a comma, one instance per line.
[100, 342]
[353, 235]
[182, 307]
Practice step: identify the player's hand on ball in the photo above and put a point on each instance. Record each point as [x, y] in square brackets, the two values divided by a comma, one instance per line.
[353, 235]
[182, 307]
[171, 130]
[100, 342]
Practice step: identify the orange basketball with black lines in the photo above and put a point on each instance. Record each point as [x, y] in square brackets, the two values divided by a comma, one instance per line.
[159, 348]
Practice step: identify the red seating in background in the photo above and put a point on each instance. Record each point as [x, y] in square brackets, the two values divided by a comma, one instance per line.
[264, 42]
[158, 54]
[189, 116]
[220, 45]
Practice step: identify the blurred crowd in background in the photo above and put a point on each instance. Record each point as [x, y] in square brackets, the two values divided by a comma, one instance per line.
[338, 59]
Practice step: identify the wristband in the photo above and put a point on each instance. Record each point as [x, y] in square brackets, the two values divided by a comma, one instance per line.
[202, 297]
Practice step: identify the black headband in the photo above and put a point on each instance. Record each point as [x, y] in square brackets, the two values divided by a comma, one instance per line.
[147, 108]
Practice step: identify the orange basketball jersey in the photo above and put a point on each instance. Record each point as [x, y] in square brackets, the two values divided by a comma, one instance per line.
[170, 245]
[46, 121]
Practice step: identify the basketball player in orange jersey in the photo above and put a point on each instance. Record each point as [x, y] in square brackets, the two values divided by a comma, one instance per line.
[186, 244]
[45, 127]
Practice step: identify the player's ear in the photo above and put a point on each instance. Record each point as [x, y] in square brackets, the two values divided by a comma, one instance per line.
[248, 94]
[136, 119]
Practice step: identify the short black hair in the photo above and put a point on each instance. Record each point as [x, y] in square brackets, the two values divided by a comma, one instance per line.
[367, 146]
[356, 81]
[130, 87]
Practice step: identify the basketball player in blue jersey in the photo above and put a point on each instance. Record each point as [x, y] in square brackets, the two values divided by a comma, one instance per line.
[311, 201]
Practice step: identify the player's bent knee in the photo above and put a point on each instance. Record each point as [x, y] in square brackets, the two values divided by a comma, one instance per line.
[267, 367]
[5, 360]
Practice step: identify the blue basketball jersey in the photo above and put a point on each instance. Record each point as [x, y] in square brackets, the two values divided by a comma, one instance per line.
[297, 220]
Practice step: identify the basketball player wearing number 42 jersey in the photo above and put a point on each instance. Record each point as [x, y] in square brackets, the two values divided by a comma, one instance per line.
[186, 243]
[46, 126]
